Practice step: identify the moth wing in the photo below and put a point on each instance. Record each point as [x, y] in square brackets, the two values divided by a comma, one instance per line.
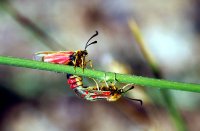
[57, 57]
[38, 56]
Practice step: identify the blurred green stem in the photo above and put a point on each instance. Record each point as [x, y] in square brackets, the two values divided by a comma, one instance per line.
[32, 27]
[166, 95]
[122, 78]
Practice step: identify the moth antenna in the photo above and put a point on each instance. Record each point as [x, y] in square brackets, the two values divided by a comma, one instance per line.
[126, 86]
[141, 102]
[132, 87]
[94, 42]
[86, 45]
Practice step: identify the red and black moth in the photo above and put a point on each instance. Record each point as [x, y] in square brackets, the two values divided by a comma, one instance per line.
[75, 58]
[107, 92]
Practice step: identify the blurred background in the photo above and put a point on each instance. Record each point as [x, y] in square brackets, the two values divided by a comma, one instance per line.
[33, 100]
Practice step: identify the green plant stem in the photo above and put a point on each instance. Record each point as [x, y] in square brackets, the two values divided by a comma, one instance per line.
[122, 78]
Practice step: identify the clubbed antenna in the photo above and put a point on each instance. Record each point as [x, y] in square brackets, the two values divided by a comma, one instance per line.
[94, 42]
[132, 87]
[141, 102]
[132, 98]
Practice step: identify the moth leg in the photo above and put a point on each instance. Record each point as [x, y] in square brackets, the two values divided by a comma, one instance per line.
[75, 64]
[96, 84]
[91, 65]
[82, 63]
[106, 81]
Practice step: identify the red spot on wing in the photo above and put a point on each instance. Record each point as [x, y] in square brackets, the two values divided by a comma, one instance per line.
[86, 92]
[106, 93]
[94, 96]
[101, 94]
[71, 80]
[74, 85]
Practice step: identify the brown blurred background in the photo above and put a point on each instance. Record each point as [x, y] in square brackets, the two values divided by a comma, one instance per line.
[33, 100]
